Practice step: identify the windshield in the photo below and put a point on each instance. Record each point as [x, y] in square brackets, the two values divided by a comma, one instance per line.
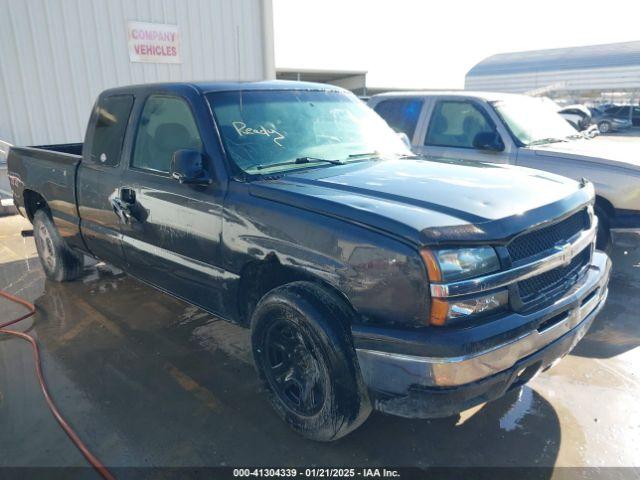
[533, 121]
[269, 131]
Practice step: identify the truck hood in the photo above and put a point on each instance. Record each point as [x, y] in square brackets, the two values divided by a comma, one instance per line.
[617, 154]
[429, 200]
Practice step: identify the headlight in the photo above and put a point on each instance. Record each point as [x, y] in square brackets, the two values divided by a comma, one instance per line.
[450, 265]
[446, 311]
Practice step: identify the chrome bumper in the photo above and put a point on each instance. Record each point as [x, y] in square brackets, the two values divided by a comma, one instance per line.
[571, 315]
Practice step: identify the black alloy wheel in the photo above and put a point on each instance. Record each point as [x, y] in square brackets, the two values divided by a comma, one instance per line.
[294, 370]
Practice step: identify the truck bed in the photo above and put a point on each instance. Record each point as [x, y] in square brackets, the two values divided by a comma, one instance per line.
[49, 170]
[69, 148]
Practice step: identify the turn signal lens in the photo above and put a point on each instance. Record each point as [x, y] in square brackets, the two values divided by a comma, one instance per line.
[431, 262]
[439, 311]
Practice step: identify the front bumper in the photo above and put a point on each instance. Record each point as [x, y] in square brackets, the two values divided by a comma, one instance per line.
[421, 386]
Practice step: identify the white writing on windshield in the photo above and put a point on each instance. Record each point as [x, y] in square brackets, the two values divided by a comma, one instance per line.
[243, 131]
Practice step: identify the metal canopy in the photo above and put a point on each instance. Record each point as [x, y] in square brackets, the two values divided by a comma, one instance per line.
[610, 67]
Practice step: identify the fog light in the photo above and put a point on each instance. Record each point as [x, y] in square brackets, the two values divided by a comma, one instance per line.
[446, 311]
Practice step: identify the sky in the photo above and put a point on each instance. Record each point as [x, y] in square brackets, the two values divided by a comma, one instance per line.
[432, 44]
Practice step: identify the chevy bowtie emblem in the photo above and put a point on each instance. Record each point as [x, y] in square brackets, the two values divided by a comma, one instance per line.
[565, 251]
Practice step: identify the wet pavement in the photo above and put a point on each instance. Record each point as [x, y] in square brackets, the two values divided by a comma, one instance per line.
[148, 380]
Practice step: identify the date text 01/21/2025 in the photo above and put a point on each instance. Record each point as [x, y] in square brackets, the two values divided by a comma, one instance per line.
[316, 472]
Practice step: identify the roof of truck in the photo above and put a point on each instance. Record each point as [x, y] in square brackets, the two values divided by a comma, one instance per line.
[489, 96]
[209, 86]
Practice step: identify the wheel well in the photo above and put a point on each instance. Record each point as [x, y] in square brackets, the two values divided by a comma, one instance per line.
[605, 206]
[258, 278]
[33, 201]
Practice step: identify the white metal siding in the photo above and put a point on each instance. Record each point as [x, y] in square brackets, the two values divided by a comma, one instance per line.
[56, 56]
[613, 78]
[613, 66]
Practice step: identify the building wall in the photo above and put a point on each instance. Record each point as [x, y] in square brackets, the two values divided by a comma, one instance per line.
[607, 67]
[614, 78]
[57, 55]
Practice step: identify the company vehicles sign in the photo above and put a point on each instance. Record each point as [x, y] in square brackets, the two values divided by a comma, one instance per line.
[153, 42]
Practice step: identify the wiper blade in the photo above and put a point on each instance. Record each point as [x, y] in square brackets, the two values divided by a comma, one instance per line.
[362, 157]
[367, 154]
[543, 141]
[298, 161]
[316, 159]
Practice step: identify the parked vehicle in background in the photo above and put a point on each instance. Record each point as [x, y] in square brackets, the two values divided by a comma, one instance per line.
[6, 202]
[607, 122]
[368, 278]
[4, 152]
[578, 116]
[521, 130]
[626, 112]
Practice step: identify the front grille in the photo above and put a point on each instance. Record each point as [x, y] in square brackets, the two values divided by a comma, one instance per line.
[545, 238]
[548, 283]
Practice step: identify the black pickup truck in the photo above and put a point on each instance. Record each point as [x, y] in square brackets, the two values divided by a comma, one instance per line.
[369, 278]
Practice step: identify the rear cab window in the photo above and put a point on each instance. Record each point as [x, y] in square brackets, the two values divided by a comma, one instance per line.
[109, 117]
[401, 114]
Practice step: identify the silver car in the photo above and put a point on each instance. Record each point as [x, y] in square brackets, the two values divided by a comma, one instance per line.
[521, 130]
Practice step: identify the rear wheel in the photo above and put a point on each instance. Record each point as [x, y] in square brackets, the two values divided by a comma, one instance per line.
[604, 127]
[59, 261]
[304, 356]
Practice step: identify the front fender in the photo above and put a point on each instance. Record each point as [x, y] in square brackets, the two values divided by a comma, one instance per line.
[383, 278]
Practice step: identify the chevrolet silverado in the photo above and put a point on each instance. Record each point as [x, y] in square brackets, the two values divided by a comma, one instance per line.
[369, 278]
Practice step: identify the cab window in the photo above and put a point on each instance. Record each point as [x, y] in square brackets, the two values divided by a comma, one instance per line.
[166, 125]
[456, 123]
[110, 118]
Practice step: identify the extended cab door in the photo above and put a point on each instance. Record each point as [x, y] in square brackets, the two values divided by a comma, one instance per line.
[461, 128]
[402, 114]
[99, 177]
[173, 238]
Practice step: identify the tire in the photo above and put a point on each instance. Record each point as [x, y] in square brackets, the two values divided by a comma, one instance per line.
[604, 127]
[603, 239]
[59, 262]
[305, 359]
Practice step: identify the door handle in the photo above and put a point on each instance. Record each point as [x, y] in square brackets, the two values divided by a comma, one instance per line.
[122, 205]
[122, 210]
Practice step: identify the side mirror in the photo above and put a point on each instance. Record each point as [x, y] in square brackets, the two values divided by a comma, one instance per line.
[187, 167]
[488, 141]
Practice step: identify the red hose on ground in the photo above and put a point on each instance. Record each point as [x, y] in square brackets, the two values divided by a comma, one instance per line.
[93, 460]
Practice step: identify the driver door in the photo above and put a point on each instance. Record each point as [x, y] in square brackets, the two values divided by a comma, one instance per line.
[172, 240]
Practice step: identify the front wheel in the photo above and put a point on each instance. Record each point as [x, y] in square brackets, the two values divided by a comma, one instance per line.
[304, 356]
[59, 262]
